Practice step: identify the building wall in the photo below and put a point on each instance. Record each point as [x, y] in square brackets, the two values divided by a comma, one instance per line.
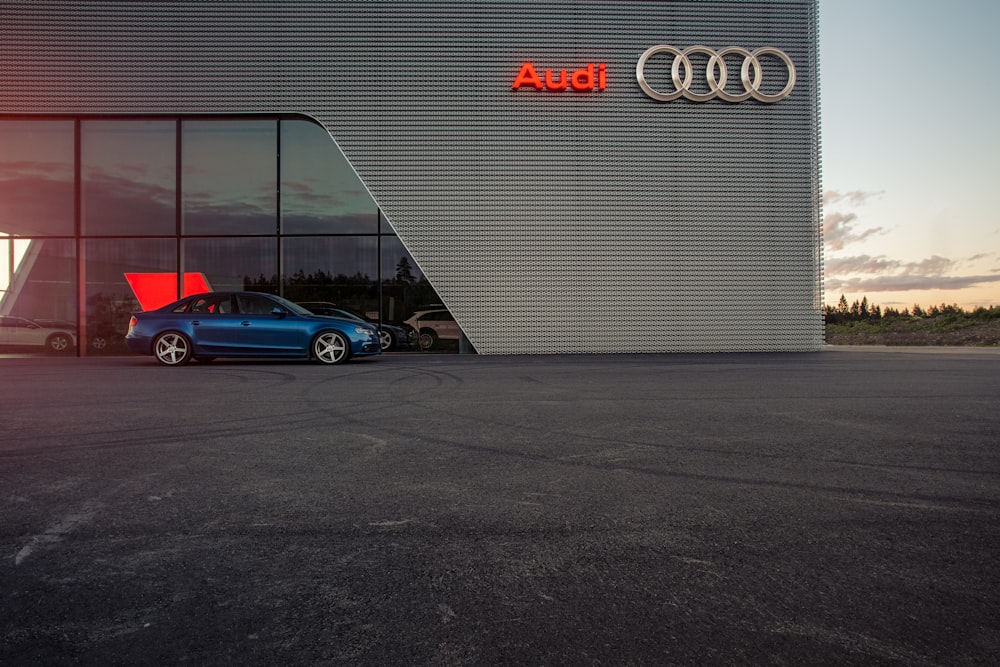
[548, 222]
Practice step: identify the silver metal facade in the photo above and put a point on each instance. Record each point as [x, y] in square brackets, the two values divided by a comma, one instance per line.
[549, 222]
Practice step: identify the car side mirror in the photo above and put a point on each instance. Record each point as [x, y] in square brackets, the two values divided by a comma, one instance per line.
[279, 312]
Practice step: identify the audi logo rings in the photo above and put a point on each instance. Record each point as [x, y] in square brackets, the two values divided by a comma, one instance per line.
[751, 74]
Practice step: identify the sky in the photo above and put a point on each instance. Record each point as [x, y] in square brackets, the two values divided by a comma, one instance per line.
[911, 152]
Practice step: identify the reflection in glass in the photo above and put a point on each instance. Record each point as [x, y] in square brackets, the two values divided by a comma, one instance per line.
[8, 263]
[229, 176]
[404, 287]
[43, 287]
[12, 252]
[340, 270]
[129, 177]
[110, 299]
[383, 224]
[320, 193]
[397, 262]
[36, 177]
[229, 179]
[234, 263]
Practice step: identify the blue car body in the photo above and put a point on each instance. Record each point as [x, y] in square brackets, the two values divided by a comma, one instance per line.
[391, 337]
[246, 324]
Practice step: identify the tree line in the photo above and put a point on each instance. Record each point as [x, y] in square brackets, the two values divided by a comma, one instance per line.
[864, 311]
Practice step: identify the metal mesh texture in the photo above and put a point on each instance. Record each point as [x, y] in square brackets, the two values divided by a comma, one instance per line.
[548, 222]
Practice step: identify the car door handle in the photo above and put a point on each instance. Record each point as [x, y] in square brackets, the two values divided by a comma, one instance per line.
[245, 323]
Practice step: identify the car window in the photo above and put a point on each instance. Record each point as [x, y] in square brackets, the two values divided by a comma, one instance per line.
[252, 304]
[211, 305]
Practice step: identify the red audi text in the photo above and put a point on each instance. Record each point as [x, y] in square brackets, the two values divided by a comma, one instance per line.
[591, 77]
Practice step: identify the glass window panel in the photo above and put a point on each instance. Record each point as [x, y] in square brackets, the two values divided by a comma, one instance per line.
[120, 276]
[404, 287]
[36, 178]
[384, 226]
[229, 176]
[10, 256]
[320, 192]
[43, 289]
[233, 263]
[397, 262]
[340, 270]
[129, 177]
[212, 304]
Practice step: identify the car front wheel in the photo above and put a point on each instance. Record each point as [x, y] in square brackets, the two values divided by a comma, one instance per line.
[386, 341]
[330, 347]
[172, 349]
[58, 343]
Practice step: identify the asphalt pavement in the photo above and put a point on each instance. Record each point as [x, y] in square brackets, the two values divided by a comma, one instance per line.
[838, 507]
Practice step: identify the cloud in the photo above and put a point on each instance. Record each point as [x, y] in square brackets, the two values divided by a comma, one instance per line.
[932, 266]
[854, 197]
[839, 227]
[36, 204]
[14, 169]
[860, 264]
[903, 283]
[838, 230]
[865, 273]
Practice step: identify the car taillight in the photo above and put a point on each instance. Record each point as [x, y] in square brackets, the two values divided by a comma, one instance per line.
[131, 323]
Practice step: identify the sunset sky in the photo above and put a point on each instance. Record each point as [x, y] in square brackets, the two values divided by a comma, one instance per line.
[911, 151]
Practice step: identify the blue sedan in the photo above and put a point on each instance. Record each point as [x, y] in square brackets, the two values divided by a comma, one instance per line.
[246, 324]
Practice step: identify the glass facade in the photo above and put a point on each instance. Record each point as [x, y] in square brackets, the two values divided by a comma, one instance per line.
[37, 166]
[93, 211]
[320, 193]
[128, 177]
[229, 174]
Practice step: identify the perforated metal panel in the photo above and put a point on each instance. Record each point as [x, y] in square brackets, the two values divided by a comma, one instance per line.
[549, 222]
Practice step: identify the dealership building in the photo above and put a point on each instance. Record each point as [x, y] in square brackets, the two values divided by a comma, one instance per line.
[563, 177]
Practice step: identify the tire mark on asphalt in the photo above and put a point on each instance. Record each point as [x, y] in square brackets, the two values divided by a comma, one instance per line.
[171, 433]
[55, 533]
[853, 642]
[317, 410]
[618, 444]
[245, 373]
[912, 500]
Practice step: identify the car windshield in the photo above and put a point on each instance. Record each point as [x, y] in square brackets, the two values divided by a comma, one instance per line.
[294, 307]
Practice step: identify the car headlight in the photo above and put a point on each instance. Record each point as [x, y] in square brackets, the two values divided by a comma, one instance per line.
[363, 331]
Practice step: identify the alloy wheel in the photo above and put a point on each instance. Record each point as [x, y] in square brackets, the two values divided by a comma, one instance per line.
[172, 349]
[330, 347]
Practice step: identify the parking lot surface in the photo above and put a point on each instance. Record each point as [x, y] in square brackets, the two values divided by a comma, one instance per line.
[839, 507]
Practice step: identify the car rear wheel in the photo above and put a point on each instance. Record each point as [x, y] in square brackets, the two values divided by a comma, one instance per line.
[172, 349]
[330, 347]
[58, 343]
[386, 341]
[428, 338]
